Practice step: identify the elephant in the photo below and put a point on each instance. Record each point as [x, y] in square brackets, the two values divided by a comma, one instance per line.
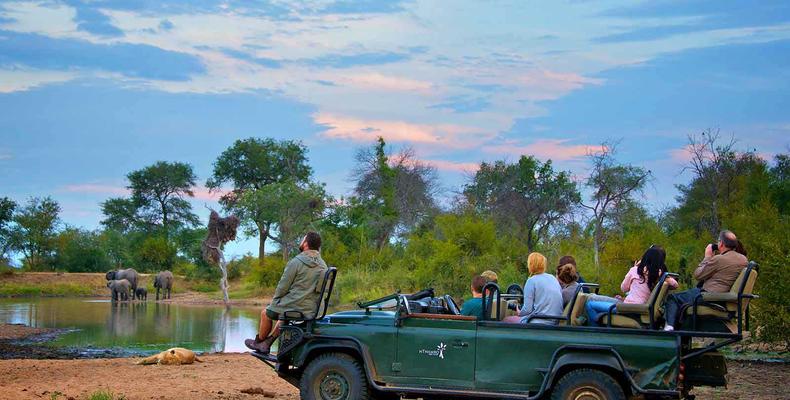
[141, 293]
[163, 281]
[129, 274]
[119, 289]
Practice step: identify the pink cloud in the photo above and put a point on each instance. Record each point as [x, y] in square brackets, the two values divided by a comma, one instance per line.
[682, 155]
[363, 130]
[96, 188]
[554, 149]
[203, 193]
[549, 85]
[445, 165]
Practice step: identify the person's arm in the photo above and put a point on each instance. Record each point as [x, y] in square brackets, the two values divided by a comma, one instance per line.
[706, 269]
[529, 298]
[284, 286]
[673, 284]
[626, 285]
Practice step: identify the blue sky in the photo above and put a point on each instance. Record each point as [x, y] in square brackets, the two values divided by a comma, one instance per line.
[90, 90]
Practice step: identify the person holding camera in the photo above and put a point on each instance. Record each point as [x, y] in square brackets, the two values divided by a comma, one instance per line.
[716, 273]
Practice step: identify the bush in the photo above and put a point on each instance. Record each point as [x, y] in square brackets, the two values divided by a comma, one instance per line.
[105, 395]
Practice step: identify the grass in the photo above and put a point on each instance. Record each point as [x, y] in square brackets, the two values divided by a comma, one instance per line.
[47, 290]
[105, 395]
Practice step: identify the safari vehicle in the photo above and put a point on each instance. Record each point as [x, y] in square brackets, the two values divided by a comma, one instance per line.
[418, 346]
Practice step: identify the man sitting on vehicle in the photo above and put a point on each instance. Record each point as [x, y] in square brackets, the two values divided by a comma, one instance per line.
[298, 290]
[474, 306]
[717, 272]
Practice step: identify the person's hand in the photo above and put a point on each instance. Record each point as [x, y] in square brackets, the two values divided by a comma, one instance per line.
[618, 297]
[709, 251]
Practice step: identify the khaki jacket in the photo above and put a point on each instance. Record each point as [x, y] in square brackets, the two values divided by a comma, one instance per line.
[300, 285]
[719, 272]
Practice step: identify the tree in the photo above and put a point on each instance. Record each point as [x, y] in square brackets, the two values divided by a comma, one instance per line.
[289, 209]
[396, 191]
[80, 251]
[711, 162]
[121, 215]
[35, 231]
[253, 164]
[158, 192]
[525, 198]
[613, 184]
[780, 183]
[7, 207]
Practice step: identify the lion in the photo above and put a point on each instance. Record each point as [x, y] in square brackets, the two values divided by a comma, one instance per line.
[174, 356]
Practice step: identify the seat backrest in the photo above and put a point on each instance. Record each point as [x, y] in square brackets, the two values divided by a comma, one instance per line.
[657, 297]
[578, 308]
[324, 287]
[492, 314]
[740, 288]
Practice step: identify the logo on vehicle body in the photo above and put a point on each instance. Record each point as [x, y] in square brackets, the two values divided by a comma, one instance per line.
[439, 352]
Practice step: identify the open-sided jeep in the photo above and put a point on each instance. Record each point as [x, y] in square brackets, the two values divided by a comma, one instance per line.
[417, 345]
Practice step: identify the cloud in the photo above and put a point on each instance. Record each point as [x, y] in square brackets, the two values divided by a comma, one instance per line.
[94, 188]
[354, 60]
[377, 81]
[463, 104]
[363, 6]
[455, 166]
[543, 84]
[5, 156]
[362, 130]
[93, 21]
[554, 149]
[131, 60]
[244, 56]
[15, 80]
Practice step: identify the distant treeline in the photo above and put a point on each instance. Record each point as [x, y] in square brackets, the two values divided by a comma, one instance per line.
[391, 233]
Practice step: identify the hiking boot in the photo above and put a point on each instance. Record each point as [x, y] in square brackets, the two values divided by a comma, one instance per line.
[261, 346]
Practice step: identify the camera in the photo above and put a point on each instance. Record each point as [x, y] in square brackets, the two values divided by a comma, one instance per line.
[714, 246]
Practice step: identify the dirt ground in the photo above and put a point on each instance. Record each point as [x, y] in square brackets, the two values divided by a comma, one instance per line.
[220, 376]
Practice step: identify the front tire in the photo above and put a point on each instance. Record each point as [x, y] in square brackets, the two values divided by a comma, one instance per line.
[334, 376]
[587, 384]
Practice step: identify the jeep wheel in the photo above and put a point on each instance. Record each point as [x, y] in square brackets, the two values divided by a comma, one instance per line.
[587, 384]
[334, 376]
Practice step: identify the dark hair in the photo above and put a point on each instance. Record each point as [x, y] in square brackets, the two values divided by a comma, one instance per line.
[477, 283]
[313, 240]
[740, 249]
[728, 238]
[566, 260]
[567, 274]
[652, 265]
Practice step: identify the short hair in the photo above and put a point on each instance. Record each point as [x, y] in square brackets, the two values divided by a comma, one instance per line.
[566, 260]
[536, 263]
[313, 240]
[728, 238]
[567, 274]
[490, 276]
[478, 282]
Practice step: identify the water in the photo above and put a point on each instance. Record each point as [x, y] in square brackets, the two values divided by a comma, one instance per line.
[135, 328]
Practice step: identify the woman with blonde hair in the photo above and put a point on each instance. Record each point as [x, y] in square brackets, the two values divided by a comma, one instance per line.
[542, 293]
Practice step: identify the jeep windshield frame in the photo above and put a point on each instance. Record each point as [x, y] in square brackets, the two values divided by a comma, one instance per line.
[386, 302]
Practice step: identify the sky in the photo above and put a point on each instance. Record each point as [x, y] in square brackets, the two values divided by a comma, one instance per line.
[91, 90]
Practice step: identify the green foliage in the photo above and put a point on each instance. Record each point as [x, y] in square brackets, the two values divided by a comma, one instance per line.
[105, 395]
[7, 207]
[155, 254]
[262, 275]
[81, 251]
[251, 165]
[9, 289]
[525, 198]
[35, 231]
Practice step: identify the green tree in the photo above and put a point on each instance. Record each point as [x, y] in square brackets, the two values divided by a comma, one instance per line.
[396, 192]
[613, 186]
[159, 193]
[289, 208]
[254, 164]
[7, 207]
[121, 215]
[525, 198]
[115, 245]
[80, 251]
[155, 253]
[35, 230]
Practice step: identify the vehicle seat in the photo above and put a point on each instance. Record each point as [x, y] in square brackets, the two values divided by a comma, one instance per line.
[724, 306]
[502, 311]
[575, 308]
[629, 315]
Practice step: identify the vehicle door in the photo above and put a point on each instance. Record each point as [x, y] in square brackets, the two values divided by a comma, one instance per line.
[436, 350]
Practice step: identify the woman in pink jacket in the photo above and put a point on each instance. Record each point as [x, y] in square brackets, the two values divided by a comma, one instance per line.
[637, 284]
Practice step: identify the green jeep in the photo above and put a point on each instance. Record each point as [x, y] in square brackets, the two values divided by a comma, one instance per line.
[418, 346]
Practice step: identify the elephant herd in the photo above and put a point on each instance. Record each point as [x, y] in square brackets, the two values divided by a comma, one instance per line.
[123, 285]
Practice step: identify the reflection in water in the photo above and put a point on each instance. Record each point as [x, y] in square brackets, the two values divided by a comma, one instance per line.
[137, 327]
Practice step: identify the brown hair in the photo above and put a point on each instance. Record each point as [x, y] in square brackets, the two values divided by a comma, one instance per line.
[566, 260]
[536, 263]
[477, 283]
[313, 240]
[567, 274]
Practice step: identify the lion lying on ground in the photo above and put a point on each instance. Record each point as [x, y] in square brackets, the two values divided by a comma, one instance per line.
[174, 356]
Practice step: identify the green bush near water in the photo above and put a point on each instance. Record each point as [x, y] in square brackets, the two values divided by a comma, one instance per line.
[51, 289]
